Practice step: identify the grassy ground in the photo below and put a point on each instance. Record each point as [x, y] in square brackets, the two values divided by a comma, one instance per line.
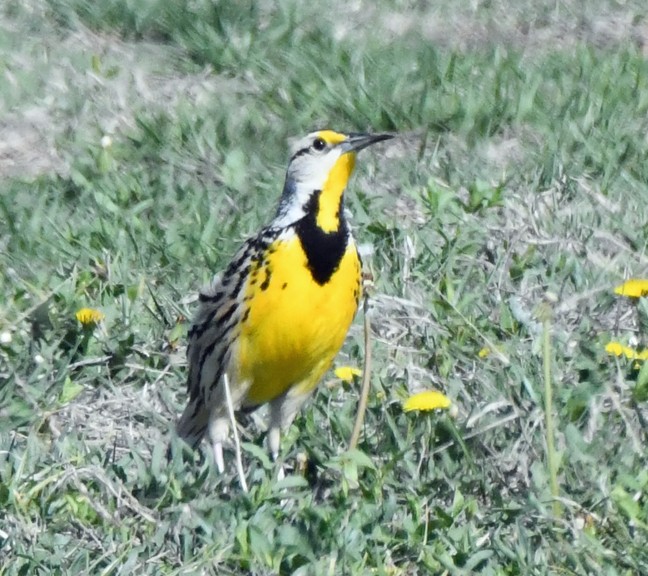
[517, 189]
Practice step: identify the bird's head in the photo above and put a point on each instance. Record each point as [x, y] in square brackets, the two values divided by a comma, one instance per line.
[318, 172]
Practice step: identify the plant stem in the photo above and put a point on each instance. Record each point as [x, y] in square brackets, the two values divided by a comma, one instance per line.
[548, 407]
[366, 378]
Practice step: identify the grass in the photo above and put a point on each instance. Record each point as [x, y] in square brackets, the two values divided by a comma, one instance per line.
[520, 171]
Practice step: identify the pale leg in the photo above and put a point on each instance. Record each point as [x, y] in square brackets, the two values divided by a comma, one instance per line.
[282, 413]
[218, 429]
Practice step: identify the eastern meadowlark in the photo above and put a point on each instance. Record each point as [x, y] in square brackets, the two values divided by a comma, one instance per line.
[272, 322]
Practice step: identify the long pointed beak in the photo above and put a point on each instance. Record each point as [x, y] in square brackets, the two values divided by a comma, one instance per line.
[356, 142]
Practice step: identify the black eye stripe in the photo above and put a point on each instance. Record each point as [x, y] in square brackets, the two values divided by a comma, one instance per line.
[318, 144]
[300, 152]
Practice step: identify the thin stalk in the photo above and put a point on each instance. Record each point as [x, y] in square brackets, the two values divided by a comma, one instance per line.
[366, 378]
[548, 406]
[237, 443]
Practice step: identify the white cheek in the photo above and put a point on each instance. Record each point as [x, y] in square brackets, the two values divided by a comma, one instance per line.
[317, 171]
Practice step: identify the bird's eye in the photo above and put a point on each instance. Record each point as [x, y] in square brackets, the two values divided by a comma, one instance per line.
[319, 144]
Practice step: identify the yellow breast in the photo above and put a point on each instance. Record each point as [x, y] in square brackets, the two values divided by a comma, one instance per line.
[295, 326]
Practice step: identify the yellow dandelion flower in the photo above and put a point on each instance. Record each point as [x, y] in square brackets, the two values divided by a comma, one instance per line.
[428, 400]
[346, 373]
[89, 316]
[484, 352]
[618, 349]
[635, 288]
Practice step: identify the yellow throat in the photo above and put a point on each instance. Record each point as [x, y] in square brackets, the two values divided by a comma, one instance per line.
[330, 200]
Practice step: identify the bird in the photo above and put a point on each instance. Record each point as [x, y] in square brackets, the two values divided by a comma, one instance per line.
[271, 323]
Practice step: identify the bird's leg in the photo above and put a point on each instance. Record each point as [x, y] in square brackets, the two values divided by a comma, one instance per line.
[282, 412]
[274, 442]
[274, 433]
[218, 456]
[217, 433]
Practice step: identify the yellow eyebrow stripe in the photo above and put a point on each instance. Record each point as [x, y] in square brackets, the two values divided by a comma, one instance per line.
[331, 137]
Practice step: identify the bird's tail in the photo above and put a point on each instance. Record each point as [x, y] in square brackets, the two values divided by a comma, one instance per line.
[193, 423]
